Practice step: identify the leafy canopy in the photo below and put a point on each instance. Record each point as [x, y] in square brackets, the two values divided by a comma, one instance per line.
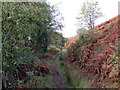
[90, 12]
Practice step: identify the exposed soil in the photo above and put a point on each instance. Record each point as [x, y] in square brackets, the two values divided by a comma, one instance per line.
[57, 82]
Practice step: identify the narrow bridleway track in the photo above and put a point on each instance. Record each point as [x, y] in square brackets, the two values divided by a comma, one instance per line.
[57, 81]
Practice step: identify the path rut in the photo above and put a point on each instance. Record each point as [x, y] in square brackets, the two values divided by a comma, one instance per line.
[57, 81]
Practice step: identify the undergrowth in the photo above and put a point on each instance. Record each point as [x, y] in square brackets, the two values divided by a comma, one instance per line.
[70, 77]
[77, 80]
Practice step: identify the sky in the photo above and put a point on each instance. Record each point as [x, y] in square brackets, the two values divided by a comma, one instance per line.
[70, 9]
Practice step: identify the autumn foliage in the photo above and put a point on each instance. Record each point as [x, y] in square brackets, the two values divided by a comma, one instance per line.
[97, 52]
[70, 41]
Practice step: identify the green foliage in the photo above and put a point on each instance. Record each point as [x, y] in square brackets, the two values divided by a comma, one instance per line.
[40, 82]
[113, 58]
[90, 12]
[81, 31]
[57, 39]
[26, 28]
[84, 39]
[118, 48]
[30, 73]
[76, 79]
[89, 40]
[16, 57]
[98, 47]
[47, 81]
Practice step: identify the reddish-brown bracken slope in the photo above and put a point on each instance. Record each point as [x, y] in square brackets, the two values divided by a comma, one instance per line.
[71, 40]
[97, 52]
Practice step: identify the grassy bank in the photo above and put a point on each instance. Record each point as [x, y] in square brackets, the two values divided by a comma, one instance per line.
[77, 80]
[70, 76]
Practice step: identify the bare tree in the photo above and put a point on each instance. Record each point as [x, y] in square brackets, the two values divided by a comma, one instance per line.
[90, 12]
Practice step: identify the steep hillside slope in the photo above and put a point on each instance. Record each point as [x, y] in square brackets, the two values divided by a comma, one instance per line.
[71, 40]
[97, 53]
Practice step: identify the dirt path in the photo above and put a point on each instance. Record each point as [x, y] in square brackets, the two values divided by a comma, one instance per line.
[57, 82]
[57, 78]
